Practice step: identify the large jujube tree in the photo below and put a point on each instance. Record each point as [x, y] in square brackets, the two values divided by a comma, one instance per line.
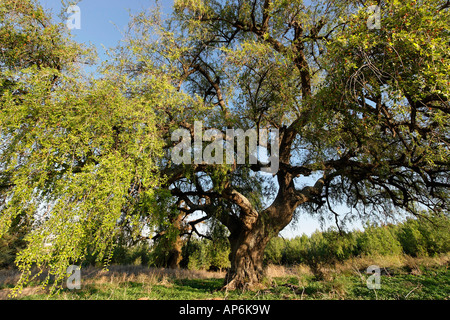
[362, 113]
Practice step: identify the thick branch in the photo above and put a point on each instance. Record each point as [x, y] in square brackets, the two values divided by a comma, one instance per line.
[249, 215]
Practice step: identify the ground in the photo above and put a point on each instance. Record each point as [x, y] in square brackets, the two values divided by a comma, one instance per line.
[402, 278]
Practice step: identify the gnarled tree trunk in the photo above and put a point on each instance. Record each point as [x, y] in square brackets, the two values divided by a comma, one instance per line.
[252, 231]
[175, 255]
[246, 257]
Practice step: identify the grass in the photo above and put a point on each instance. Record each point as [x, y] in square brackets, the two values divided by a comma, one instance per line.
[402, 278]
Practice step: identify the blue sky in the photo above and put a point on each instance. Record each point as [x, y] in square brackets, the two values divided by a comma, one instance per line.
[102, 23]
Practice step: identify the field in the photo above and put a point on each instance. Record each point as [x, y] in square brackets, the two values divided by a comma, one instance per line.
[402, 277]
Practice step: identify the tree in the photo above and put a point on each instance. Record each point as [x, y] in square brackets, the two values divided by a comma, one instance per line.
[362, 114]
[359, 117]
[78, 157]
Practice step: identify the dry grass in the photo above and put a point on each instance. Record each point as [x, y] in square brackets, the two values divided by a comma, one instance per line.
[25, 292]
[276, 271]
[358, 265]
[116, 276]
[335, 282]
[143, 274]
[9, 277]
[394, 263]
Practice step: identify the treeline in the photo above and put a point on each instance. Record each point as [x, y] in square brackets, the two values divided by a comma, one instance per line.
[412, 237]
[197, 254]
[428, 236]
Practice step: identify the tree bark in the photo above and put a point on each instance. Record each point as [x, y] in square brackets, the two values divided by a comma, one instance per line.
[248, 245]
[175, 255]
[246, 257]
[249, 240]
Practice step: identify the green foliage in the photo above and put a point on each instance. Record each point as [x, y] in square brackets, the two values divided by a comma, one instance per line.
[136, 255]
[219, 248]
[197, 256]
[13, 241]
[386, 92]
[275, 251]
[204, 254]
[76, 154]
[379, 241]
[164, 249]
[29, 38]
[428, 237]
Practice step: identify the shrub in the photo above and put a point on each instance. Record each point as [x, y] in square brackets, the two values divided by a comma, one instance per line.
[427, 236]
[197, 255]
[274, 251]
[293, 253]
[411, 239]
[341, 245]
[380, 241]
[436, 233]
[204, 254]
